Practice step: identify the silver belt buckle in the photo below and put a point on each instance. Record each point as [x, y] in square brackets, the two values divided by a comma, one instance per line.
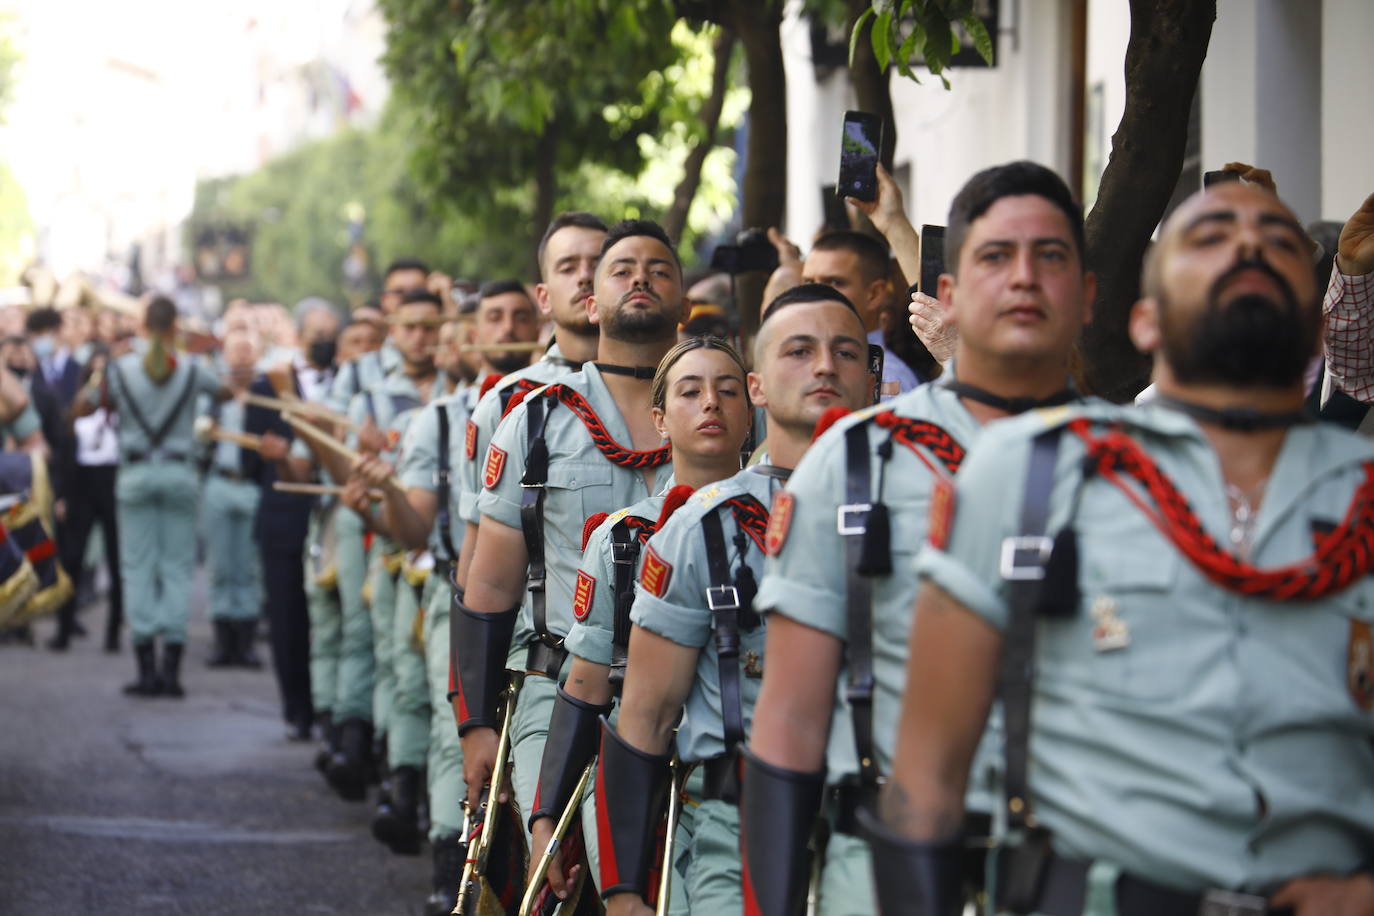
[847, 528]
[1230, 903]
[722, 598]
[1024, 557]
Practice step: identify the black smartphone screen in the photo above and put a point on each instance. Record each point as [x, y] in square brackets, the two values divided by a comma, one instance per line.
[1211, 178]
[875, 368]
[932, 258]
[860, 141]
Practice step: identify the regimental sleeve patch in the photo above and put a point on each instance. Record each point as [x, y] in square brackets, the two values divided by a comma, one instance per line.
[393, 439]
[496, 463]
[470, 441]
[582, 595]
[779, 522]
[1359, 669]
[941, 512]
[656, 573]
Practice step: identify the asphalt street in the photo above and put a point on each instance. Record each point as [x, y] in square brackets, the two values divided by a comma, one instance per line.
[114, 805]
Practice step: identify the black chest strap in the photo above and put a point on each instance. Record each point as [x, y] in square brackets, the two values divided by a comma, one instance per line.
[625, 550]
[851, 522]
[1023, 563]
[534, 482]
[155, 436]
[442, 485]
[723, 600]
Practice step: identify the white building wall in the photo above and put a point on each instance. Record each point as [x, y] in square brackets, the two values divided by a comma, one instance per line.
[1347, 132]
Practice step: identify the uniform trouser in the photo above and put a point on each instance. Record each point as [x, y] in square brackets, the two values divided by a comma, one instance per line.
[357, 666]
[407, 742]
[91, 499]
[382, 586]
[326, 638]
[847, 878]
[289, 617]
[713, 871]
[227, 515]
[446, 786]
[157, 515]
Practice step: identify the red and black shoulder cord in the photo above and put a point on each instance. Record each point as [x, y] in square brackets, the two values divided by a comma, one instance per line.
[611, 450]
[1343, 556]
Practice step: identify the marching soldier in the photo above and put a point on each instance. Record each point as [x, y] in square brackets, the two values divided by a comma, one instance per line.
[154, 394]
[580, 446]
[230, 508]
[701, 406]
[1199, 674]
[696, 640]
[381, 414]
[567, 257]
[838, 589]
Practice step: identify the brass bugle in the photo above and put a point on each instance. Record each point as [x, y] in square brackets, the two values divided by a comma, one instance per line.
[316, 489]
[324, 440]
[560, 831]
[665, 878]
[476, 866]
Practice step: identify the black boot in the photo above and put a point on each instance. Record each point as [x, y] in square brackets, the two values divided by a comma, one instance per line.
[222, 656]
[148, 683]
[171, 670]
[450, 855]
[348, 770]
[329, 742]
[245, 650]
[399, 825]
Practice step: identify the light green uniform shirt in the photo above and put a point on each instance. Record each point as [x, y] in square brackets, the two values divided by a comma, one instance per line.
[594, 601]
[1187, 734]
[391, 404]
[806, 580]
[487, 416]
[23, 425]
[673, 604]
[581, 483]
[419, 465]
[225, 456]
[134, 393]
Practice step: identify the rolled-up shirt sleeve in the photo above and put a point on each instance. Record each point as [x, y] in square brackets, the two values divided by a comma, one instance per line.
[1349, 335]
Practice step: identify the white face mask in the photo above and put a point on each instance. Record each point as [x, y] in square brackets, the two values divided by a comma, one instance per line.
[43, 346]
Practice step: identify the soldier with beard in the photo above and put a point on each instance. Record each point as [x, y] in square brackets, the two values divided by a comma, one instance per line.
[575, 448]
[1180, 594]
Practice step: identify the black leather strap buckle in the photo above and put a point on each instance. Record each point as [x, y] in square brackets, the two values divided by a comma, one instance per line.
[722, 598]
[544, 660]
[1024, 557]
[624, 553]
[852, 519]
[720, 779]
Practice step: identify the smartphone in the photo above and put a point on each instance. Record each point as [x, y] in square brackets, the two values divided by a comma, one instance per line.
[932, 258]
[875, 368]
[1211, 178]
[860, 141]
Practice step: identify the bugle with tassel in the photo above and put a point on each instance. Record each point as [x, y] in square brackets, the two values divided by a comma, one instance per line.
[475, 868]
[207, 430]
[665, 878]
[535, 889]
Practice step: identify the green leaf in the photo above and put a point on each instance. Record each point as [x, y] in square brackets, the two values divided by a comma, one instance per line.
[881, 41]
[982, 41]
[858, 30]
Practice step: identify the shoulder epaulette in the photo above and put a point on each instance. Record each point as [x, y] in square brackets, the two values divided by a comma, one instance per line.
[828, 419]
[488, 383]
[673, 501]
[593, 522]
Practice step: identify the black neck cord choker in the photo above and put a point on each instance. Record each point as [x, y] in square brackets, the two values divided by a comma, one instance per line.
[644, 373]
[1240, 419]
[1010, 405]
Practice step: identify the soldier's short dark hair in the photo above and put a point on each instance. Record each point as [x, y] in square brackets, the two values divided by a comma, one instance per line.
[807, 292]
[1014, 179]
[501, 287]
[161, 315]
[580, 219]
[42, 320]
[406, 264]
[872, 254]
[413, 296]
[628, 228]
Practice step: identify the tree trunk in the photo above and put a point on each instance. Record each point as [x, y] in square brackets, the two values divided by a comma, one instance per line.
[1164, 57]
[764, 196]
[872, 87]
[545, 187]
[675, 220]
